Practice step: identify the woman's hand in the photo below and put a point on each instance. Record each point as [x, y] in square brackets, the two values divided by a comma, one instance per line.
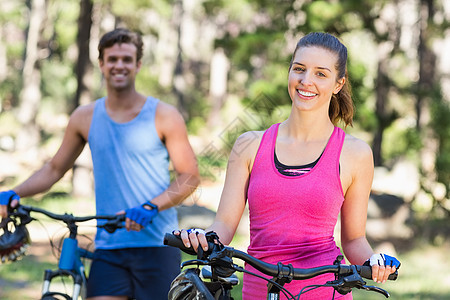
[382, 266]
[194, 237]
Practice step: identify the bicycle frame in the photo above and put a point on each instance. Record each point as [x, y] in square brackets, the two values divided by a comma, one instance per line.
[70, 264]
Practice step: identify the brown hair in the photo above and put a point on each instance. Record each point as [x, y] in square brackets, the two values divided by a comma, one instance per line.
[119, 36]
[341, 105]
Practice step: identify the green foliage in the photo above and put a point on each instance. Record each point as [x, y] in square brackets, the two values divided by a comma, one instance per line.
[321, 14]
[9, 91]
[211, 163]
[241, 49]
[8, 124]
[401, 142]
[58, 83]
[195, 124]
[65, 30]
[440, 122]
[257, 36]
[12, 14]
[147, 83]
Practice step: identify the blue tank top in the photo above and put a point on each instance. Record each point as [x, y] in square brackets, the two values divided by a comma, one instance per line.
[131, 166]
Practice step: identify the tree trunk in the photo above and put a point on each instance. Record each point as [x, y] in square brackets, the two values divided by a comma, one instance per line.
[382, 96]
[179, 84]
[3, 58]
[30, 97]
[388, 39]
[3, 63]
[426, 84]
[81, 179]
[218, 82]
[83, 68]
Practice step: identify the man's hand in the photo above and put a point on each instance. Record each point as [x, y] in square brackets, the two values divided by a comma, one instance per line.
[140, 216]
[8, 198]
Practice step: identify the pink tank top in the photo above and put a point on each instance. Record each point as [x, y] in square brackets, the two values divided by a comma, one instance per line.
[292, 218]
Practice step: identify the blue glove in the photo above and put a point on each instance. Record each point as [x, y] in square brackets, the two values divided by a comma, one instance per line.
[384, 260]
[390, 261]
[142, 215]
[8, 196]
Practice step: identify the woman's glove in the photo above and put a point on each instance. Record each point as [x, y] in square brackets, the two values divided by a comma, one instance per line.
[8, 196]
[384, 260]
[142, 215]
[382, 266]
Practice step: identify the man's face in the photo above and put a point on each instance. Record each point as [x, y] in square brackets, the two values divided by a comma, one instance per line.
[119, 66]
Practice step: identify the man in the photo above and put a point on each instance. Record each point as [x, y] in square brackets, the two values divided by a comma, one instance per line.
[131, 138]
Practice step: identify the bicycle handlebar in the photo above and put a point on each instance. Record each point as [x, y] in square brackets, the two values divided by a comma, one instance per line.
[271, 269]
[114, 221]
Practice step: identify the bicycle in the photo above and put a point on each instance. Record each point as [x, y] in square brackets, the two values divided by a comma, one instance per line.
[70, 261]
[217, 279]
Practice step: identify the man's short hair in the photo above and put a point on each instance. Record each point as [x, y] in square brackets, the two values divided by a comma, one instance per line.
[119, 36]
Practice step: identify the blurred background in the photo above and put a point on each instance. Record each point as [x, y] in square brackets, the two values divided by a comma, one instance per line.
[224, 64]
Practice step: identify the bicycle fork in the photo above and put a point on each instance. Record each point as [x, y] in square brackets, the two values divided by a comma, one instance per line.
[66, 267]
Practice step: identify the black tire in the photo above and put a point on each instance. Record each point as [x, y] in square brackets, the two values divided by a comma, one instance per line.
[55, 296]
[182, 289]
[188, 286]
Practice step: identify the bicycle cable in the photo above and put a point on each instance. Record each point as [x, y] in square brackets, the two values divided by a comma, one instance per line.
[285, 292]
[312, 287]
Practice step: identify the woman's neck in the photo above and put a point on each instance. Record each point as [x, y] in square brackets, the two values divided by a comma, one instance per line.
[307, 127]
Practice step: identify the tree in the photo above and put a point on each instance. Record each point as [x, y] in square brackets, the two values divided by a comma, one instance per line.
[83, 68]
[81, 178]
[30, 97]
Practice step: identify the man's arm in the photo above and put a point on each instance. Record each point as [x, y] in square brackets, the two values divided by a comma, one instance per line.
[172, 131]
[64, 159]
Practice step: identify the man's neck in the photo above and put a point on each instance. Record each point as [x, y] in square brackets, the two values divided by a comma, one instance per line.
[124, 107]
[124, 99]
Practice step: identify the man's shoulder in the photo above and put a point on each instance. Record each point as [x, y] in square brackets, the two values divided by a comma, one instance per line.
[168, 119]
[82, 116]
[84, 110]
[168, 112]
[166, 108]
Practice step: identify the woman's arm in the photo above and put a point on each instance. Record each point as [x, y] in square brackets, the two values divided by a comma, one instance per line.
[234, 194]
[358, 162]
[359, 170]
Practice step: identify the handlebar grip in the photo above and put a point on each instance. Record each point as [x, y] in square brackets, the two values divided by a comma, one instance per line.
[366, 272]
[112, 225]
[173, 240]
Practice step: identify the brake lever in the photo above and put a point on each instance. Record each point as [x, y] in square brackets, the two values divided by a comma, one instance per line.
[344, 285]
[196, 262]
[112, 225]
[22, 213]
[376, 289]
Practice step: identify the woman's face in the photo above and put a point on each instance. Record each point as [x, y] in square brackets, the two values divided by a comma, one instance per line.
[313, 78]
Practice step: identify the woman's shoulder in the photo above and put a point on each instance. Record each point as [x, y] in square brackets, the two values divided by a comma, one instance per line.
[356, 148]
[245, 149]
[248, 140]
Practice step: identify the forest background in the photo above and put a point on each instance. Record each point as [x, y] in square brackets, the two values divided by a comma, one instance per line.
[224, 64]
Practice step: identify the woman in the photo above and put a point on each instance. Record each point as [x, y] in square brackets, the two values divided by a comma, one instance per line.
[298, 175]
